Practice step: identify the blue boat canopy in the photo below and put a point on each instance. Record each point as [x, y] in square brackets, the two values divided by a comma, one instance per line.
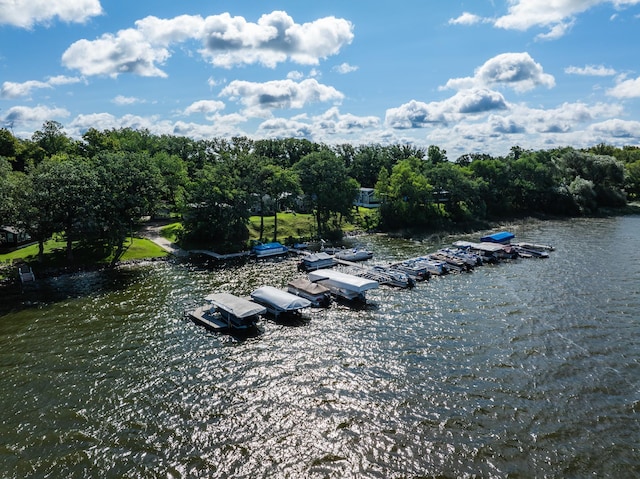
[268, 246]
[502, 237]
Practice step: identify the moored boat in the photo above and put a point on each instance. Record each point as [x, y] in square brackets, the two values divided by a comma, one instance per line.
[354, 254]
[388, 276]
[530, 252]
[343, 285]
[432, 266]
[414, 268]
[314, 261]
[278, 302]
[453, 263]
[266, 250]
[488, 251]
[225, 311]
[534, 246]
[320, 296]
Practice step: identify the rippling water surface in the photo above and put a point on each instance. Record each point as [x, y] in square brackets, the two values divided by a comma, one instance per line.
[529, 368]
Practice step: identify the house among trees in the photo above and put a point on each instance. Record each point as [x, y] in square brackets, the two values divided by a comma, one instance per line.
[11, 238]
[367, 198]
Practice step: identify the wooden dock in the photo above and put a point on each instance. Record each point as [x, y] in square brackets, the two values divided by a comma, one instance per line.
[213, 254]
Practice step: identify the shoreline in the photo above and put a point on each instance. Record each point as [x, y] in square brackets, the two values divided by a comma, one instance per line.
[151, 232]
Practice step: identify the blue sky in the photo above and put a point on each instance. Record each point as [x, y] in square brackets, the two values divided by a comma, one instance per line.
[467, 76]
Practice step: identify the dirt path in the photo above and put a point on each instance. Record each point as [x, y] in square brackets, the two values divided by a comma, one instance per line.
[151, 231]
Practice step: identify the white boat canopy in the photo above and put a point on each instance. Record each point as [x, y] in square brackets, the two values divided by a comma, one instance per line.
[238, 307]
[279, 299]
[344, 280]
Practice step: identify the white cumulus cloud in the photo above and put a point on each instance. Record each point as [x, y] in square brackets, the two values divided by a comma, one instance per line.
[626, 89]
[617, 128]
[558, 15]
[16, 90]
[126, 52]
[126, 100]
[227, 41]
[466, 19]
[205, 107]
[37, 114]
[417, 114]
[261, 98]
[345, 68]
[27, 13]
[516, 70]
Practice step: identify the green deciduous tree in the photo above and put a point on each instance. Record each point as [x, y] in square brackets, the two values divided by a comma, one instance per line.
[605, 172]
[217, 210]
[174, 179]
[130, 187]
[8, 206]
[328, 189]
[407, 195]
[495, 174]
[52, 139]
[62, 199]
[632, 181]
[280, 182]
[436, 155]
[458, 190]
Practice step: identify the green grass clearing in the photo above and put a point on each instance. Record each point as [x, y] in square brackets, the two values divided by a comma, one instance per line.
[55, 255]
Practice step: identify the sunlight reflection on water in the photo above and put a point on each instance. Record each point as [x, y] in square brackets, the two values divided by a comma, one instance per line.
[526, 367]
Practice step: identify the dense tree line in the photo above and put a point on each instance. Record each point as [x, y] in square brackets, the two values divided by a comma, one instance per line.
[95, 189]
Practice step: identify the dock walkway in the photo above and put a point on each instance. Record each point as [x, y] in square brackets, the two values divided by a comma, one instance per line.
[215, 255]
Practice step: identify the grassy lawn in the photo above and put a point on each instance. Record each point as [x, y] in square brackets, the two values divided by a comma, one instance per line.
[171, 231]
[55, 255]
[302, 226]
[290, 225]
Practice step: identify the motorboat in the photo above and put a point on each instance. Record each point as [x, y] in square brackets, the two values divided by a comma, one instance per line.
[388, 276]
[488, 251]
[278, 301]
[470, 258]
[320, 296]
[266, 250]
[225, 311]
[412, 267]
[314, 261]
[453, 263]
[534, 246]
[343, 285]
[530, 252]
[354, 254]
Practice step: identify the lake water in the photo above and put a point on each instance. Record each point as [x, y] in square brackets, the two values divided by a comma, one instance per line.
[529, 368]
